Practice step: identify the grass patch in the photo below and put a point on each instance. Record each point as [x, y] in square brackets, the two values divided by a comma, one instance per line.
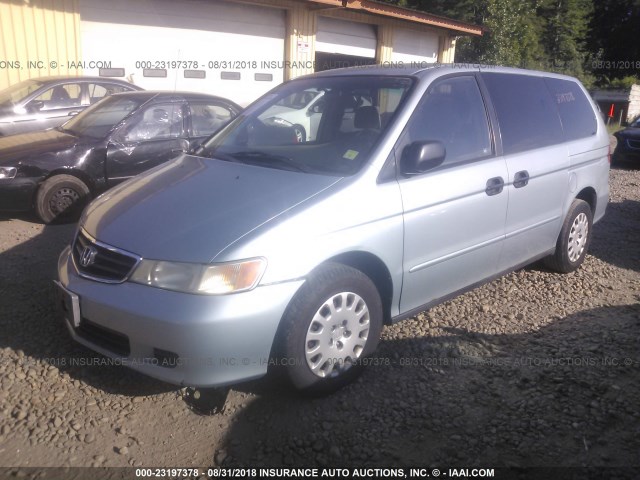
[613, 127]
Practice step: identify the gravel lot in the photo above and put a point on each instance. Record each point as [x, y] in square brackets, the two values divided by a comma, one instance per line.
[534, 369]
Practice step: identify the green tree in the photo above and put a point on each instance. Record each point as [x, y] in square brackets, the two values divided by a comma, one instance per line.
[614, 49]
[510, 39]
[564, 33]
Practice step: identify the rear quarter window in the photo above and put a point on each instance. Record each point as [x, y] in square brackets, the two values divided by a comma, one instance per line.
[526, 111]
[577, 115]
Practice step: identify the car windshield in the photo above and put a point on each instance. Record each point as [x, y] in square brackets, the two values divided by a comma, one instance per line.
[12, 95]
[636, 122]
[333, 137]
[97, 120]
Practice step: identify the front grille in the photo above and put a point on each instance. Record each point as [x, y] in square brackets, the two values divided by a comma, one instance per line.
[634, 143]
[111, 340]
[108, 264]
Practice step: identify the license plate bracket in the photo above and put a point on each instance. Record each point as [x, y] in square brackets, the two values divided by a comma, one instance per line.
[69, 304]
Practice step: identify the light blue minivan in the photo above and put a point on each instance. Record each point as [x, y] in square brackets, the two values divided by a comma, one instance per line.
[267, 249]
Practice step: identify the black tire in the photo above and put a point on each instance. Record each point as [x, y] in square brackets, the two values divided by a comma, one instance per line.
[335, 283]
[574, 239]
[301, 133]
[61, 198]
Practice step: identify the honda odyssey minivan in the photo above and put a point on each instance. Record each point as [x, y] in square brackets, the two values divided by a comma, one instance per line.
[263, 249]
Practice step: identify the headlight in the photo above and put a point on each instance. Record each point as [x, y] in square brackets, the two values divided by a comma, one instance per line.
[203, 279]
[8, 172]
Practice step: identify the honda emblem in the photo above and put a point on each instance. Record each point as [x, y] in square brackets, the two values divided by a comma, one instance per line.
[88, 256]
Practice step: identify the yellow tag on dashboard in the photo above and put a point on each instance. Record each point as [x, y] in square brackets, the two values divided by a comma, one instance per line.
[350, 154]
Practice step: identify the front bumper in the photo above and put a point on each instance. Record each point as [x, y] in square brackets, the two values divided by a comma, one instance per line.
[625, 152]
[16, 194]
[184, 339]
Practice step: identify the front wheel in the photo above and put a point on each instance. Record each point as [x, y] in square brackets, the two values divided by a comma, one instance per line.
[332, 323]
[574, 239]
[300, 133]
[61, 198]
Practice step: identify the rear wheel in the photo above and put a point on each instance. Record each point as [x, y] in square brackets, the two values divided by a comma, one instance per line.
[574, 239]
[332, 323]
[61, 198]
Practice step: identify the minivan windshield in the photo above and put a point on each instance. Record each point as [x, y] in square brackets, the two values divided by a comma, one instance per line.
[97, 120]
[332, 136]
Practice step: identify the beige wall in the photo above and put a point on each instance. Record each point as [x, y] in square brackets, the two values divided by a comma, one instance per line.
[43, 31]
[48, 31]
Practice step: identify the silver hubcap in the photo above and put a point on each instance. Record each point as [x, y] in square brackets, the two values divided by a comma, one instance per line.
[578, 237]
[337, 334]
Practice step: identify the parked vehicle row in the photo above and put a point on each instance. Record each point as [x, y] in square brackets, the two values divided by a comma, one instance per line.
[55, 171]
[45, 102]
[264, 247]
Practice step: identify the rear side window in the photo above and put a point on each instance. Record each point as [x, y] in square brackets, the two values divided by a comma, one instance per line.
[526, 111]
[98, 91]
[578, 118]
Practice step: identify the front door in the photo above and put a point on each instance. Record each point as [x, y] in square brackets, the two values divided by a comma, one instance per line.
[454, 215]
[149, 138]
[51, 108]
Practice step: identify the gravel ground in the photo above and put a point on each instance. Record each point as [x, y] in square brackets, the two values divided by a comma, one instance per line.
[533, 369]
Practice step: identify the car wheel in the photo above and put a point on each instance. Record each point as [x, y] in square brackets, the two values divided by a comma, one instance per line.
[332, 323]
[300, 132]
[61, 198]
[574, 239]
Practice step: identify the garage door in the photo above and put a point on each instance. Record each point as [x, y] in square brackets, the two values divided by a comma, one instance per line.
[225, 49]
[346, 38]
[413, 46]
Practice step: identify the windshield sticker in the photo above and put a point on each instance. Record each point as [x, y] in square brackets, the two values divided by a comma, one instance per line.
[350, 154]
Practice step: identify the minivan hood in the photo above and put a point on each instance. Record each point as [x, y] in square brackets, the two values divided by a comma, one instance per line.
[190, 209]
[25, 145]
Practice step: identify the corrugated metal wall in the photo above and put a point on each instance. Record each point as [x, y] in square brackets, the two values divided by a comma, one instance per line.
[42, 37]
[38, 38]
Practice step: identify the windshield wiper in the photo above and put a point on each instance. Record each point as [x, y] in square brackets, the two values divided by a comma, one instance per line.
[205, 153]
[260, 158]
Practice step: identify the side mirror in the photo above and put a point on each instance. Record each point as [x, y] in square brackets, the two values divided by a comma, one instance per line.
[195, 148]
[419, 157]
[317, 108]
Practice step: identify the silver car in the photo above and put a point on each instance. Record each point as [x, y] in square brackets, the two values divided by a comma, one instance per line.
[264, 251]
[46, 102]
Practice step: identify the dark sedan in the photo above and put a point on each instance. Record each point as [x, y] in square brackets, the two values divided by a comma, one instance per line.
[45, 102]
[56, 171]
[628, 147]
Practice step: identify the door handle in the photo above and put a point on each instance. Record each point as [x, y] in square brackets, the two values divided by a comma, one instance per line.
[74, 113]
[494, 186]
[521, 179]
